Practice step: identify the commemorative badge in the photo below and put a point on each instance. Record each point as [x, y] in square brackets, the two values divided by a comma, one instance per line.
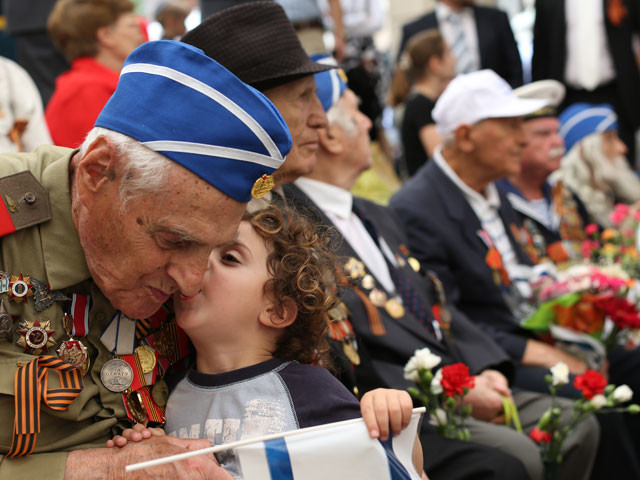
[6, 323]
[368, 282]
[20, 287]
[394, 307]
[5, 278]
[262, 186]
[147, 358]
[377, 297]
[160, 393]
[36, 337]
[354, 268]
[44, 297]
[73, 351]
[414, 263]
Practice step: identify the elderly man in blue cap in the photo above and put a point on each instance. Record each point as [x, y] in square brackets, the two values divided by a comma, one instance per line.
[96, 240]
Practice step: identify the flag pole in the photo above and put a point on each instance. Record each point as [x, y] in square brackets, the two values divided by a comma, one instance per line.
[241, 443]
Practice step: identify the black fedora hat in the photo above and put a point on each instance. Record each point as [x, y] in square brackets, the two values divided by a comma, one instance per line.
[256, 42]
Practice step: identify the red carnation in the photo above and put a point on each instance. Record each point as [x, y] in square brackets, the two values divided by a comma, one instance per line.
[591, 383]
[455, 378]
[539, 436]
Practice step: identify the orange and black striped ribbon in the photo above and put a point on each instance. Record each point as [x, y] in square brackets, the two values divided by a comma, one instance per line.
[375, 322]
[31, 388]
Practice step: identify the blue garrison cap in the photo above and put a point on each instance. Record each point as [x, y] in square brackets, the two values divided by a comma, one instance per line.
[582, 119]
[330, 84]
[175, 100]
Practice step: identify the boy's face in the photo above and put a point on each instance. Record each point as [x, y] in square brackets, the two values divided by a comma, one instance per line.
[232, 296]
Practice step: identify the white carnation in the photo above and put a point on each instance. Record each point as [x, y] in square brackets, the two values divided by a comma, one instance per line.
[436, 386]
[599, 401]
[439, 417]
[622, 394]
[422, 358]
[560, 374]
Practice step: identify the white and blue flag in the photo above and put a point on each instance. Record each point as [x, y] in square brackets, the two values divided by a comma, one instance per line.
[336, 450]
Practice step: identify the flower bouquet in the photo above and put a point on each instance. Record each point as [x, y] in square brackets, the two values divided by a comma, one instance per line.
[443, 393]
[597, 395]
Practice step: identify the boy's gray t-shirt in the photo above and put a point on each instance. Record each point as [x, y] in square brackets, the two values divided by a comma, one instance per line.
[270, 397]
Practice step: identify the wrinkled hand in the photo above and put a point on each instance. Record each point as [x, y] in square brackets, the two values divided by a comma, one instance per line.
[497, 381]
[110, 463]
[138, 433]
[383, 408]
[484, 399]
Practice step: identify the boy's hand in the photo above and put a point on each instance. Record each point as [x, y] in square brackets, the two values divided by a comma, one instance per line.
[383, 408]
[136, 434]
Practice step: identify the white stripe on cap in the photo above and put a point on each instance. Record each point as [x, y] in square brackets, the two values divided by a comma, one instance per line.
[212, 151]
[214, 95]
[335, 86]
[583, 115]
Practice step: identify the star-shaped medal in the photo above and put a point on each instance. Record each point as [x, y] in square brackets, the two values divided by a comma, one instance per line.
[35, 336]
[20, 287]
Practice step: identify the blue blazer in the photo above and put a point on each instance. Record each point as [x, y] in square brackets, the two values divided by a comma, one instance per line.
[496, 43]
[442, 229]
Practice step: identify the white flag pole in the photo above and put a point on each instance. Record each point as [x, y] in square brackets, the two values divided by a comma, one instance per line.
[241, 443]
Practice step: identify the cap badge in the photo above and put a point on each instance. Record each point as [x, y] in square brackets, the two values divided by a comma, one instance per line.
[262, 186]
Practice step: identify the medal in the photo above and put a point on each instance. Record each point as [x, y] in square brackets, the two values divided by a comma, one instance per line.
[394, 308]
[116, 375]
[36, 337]
[75, 353]
[6, 323]
[355, 268]
[160, 393]
[4, 282]
[400, 260]
[414, 263]
[146, 357]
[368, 282]
[377, 297]
[135, 406]
[20, 288]
[262, 186]
[43, 297]
[350, 351]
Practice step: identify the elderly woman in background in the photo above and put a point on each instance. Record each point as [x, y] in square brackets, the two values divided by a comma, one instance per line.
[595, 167]
[96, 36]
[425, 69]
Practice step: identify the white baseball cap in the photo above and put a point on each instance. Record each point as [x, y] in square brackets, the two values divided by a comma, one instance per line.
[477, 96]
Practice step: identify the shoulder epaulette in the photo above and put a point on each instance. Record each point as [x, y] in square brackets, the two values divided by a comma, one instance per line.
[25, 202]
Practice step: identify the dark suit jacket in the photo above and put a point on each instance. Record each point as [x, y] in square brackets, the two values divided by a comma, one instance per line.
[550, 49]
[443, 234]
[497, 46]
[384, 356]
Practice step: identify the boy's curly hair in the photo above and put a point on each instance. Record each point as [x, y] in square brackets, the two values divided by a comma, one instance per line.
[302, 268]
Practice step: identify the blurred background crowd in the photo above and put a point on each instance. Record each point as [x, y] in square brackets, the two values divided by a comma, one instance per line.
[60, 63]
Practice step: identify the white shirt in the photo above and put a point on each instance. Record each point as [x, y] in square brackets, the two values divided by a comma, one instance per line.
[486, 209]
[336, 203]
[593, 42]
[448, 30]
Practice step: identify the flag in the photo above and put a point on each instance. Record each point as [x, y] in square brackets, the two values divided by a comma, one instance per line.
[336, 450]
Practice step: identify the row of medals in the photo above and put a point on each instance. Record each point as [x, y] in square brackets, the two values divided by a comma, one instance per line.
[393, 305]
[36, 336]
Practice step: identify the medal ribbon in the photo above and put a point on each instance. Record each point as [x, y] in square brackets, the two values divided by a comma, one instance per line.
[80, 306]
[31, 388]
[375, 322]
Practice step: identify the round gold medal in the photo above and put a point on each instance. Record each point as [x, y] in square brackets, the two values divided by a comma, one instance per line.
[377, 297]
[146, 357]
[160, 393]
[368, 282]
[262, 186]
[394, 308]
[415, 264]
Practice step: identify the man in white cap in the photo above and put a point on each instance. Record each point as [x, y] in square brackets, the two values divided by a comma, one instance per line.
[461, 226]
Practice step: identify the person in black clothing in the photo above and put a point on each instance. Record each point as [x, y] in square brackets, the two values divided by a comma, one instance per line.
[424, 70]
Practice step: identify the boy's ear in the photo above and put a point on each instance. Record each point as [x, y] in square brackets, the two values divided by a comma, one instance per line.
[280, 316]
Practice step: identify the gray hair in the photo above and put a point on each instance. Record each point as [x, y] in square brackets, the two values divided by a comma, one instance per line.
[144, 170]
[336, 115]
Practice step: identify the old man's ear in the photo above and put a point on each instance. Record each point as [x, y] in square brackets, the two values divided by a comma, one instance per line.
[98, 166]
[331, 139]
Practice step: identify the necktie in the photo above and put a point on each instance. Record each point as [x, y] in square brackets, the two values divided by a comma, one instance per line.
[459, 45]
[411, 298]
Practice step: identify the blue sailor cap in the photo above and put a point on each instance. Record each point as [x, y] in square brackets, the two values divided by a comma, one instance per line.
[175, 100]
[582, 119]
[330, 84]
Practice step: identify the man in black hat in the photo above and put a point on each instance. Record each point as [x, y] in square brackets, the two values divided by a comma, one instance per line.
[257, 43]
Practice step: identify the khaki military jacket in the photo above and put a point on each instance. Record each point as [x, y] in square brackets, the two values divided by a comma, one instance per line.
[50, 252]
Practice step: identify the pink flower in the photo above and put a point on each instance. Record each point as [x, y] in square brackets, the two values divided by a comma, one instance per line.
[622, 208]
[588, 246]
[617, 217]
[636, 215]
[591, 229]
